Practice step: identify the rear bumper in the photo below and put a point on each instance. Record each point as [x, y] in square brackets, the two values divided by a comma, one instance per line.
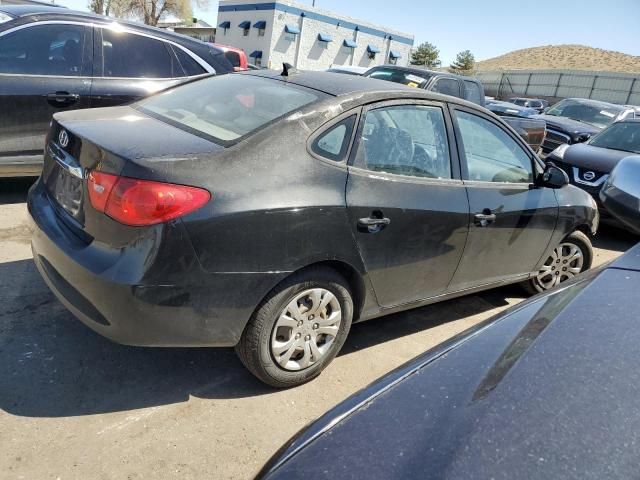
[203, 309]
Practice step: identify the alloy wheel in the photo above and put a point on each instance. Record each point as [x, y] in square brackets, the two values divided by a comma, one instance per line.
[306, 329]
[565, 262]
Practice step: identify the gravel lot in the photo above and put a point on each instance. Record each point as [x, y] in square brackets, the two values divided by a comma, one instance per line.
[75, 406]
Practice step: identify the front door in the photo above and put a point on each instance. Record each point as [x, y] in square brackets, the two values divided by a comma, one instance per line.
[44, 69]
[407, 205]
[511, 220]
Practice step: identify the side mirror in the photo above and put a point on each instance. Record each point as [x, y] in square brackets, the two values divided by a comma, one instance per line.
[620, 194]
[553, 177]
[583, 137]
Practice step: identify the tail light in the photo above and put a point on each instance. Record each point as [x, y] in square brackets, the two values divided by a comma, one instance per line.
[142, 202]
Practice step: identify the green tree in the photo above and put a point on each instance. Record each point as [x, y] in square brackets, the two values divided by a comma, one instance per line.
[149, 11]
[426, 55]
[464, 64]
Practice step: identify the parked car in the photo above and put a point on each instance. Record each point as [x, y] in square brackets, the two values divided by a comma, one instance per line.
[535, 103]
[348, 70]
[244, 210]
[522, 119]
[458, 86]
[547, 389]
[446, 83]
[620, 194]
[53, 59]
[589, 164]
[575, 120]
[236, 56]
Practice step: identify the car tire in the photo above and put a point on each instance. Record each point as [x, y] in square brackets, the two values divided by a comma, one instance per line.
[287, 318]
[572, 256]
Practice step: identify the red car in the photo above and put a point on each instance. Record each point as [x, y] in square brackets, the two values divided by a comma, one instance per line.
[236, 56]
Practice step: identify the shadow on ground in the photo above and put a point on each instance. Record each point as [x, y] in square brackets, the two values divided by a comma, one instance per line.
[51, 365]
[15, 190]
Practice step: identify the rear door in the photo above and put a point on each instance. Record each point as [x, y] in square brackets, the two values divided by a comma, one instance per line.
[44, 69]
[512, 221]
[131, 65]
[407, 206]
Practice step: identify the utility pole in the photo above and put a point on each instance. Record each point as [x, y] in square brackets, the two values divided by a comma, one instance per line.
[313, 3]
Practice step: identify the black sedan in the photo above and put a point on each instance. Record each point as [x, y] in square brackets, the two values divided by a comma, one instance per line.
[547, 390]
[53, 59]
[268, 211]
[588, 164]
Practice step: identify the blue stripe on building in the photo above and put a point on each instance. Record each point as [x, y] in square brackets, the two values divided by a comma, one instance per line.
[314, 16]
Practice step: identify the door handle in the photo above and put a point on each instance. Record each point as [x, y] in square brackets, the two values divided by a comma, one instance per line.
[62, 98]
[485, 218]
[373, 224]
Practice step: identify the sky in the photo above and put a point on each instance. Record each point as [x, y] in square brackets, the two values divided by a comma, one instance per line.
[488, 28]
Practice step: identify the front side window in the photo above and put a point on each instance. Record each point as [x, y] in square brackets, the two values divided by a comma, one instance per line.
[54, 50]
[227, 107]
[405, 140]
[491, 154]
[126, 55]
[447, 86]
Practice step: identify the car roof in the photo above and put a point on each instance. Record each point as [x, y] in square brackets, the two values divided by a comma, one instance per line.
[22, 10]
[338, 84]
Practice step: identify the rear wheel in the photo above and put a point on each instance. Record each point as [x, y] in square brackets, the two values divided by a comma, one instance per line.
[299, 329]
[572, 256]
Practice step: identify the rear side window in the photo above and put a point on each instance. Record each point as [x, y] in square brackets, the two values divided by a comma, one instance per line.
[54, 50]
[227, 107]
[334, 143]
[127, 55]
[447, 86]
[233, 58]
[472, 92]
[405, 140]
[188, 64]
[491, 154]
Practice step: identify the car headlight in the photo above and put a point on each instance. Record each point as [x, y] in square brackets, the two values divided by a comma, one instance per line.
[559, 151]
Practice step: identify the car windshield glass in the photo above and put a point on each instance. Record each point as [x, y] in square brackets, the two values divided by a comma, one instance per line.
[4, 17]
[593, 114]
[227, 107]
[619, 136]
[400, 76]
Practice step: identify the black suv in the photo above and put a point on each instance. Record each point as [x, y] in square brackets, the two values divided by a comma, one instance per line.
[576, 120]
[54, 59]
[441, 82]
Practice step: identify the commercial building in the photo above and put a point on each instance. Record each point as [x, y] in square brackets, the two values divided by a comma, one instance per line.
[306, 37]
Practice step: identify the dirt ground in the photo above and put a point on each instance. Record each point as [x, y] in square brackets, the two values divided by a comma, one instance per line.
[75, 406]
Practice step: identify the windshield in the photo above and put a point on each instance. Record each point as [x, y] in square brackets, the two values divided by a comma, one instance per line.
[399, 76]
[227, 107]
[4, 17]
[593, 114]
[619, 136]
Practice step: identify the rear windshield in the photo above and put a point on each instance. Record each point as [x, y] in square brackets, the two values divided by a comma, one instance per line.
[227, 107]
[399, 76]
[593, 114]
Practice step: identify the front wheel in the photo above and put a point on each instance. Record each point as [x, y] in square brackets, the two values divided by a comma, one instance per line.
[299, 329]
[572, 256]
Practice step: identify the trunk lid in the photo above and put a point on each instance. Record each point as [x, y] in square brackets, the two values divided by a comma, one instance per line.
[119, 141]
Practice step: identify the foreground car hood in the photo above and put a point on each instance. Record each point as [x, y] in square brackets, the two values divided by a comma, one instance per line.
[593, 158]
[568, 125]
[548, 391]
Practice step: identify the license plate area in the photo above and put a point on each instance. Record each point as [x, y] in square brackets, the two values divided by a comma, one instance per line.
[64, 181]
